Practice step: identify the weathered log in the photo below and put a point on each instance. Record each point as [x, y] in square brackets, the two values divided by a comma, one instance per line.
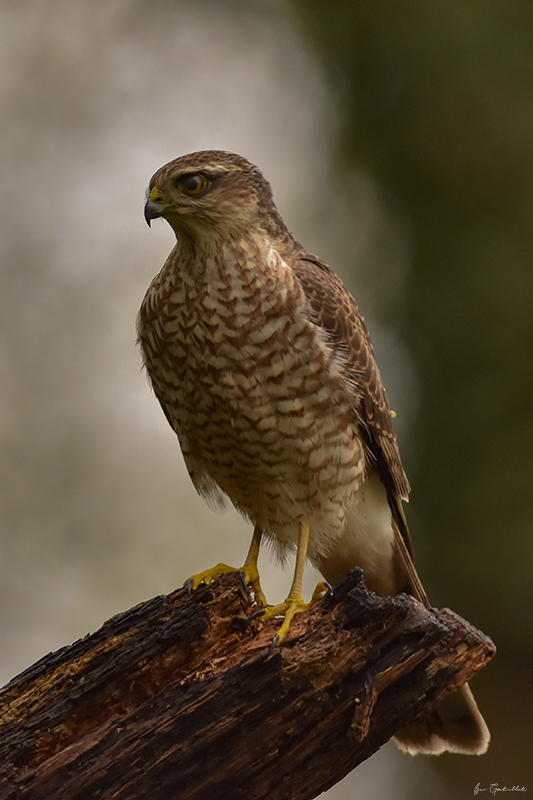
[181, 698]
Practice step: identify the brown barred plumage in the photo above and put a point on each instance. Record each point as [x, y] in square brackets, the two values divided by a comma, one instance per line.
[264, 368]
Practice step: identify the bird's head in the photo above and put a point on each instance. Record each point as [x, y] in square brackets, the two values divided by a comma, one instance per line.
[213, 192]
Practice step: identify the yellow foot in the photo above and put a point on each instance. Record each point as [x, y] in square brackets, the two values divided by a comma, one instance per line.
[208, 576]
[290, 607]
[249, 574]
[250, 577]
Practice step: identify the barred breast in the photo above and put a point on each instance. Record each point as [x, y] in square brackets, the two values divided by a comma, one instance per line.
[256, 394]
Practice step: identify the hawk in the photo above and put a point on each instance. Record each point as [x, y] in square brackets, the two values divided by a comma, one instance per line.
[265, 370]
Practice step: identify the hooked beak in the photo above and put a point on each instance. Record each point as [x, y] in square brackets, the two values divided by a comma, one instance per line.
[154, 206]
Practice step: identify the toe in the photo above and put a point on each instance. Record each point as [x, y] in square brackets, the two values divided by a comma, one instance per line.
[207, 576]
[250, 577]
[322, 589]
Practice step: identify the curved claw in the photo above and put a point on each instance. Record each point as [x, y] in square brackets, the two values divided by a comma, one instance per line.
[289, 608]
[207, 576]
[251, 579]
[322, 589]
[259, 613]
[249, 576]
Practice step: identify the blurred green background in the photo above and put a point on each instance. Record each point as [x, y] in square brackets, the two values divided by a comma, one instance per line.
[398, 138]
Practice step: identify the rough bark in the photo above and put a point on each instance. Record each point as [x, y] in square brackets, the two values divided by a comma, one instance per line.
[181, 698]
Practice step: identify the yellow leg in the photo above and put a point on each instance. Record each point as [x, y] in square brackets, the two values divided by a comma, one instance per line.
[249, 571]
[295, 603]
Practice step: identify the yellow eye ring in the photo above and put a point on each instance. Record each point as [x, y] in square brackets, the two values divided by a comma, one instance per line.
[193, 184]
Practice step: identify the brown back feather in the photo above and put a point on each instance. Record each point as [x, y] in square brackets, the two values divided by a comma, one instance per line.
[335, 310]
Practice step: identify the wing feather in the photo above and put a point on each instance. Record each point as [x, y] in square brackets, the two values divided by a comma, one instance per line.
[336, 311]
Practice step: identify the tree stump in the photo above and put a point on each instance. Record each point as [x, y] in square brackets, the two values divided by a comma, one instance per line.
[182, 698]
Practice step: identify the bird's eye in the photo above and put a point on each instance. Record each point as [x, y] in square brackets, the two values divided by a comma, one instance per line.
[193, 184]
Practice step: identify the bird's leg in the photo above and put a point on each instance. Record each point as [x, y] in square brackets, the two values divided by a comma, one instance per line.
[295, 603]
[249, 571]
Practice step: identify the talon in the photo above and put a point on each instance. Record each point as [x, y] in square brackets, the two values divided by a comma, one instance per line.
[250, 578]
[208, 576]
[259, 613]
[248, 572]
[322, 589]
[295, 603]
[289, 608]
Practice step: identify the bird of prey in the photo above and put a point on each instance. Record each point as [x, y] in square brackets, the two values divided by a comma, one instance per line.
[265, 370]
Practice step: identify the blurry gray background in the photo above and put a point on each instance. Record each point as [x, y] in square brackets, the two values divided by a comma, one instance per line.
[398, 140]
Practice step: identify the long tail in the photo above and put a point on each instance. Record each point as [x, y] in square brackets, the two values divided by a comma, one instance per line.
[456, 724]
